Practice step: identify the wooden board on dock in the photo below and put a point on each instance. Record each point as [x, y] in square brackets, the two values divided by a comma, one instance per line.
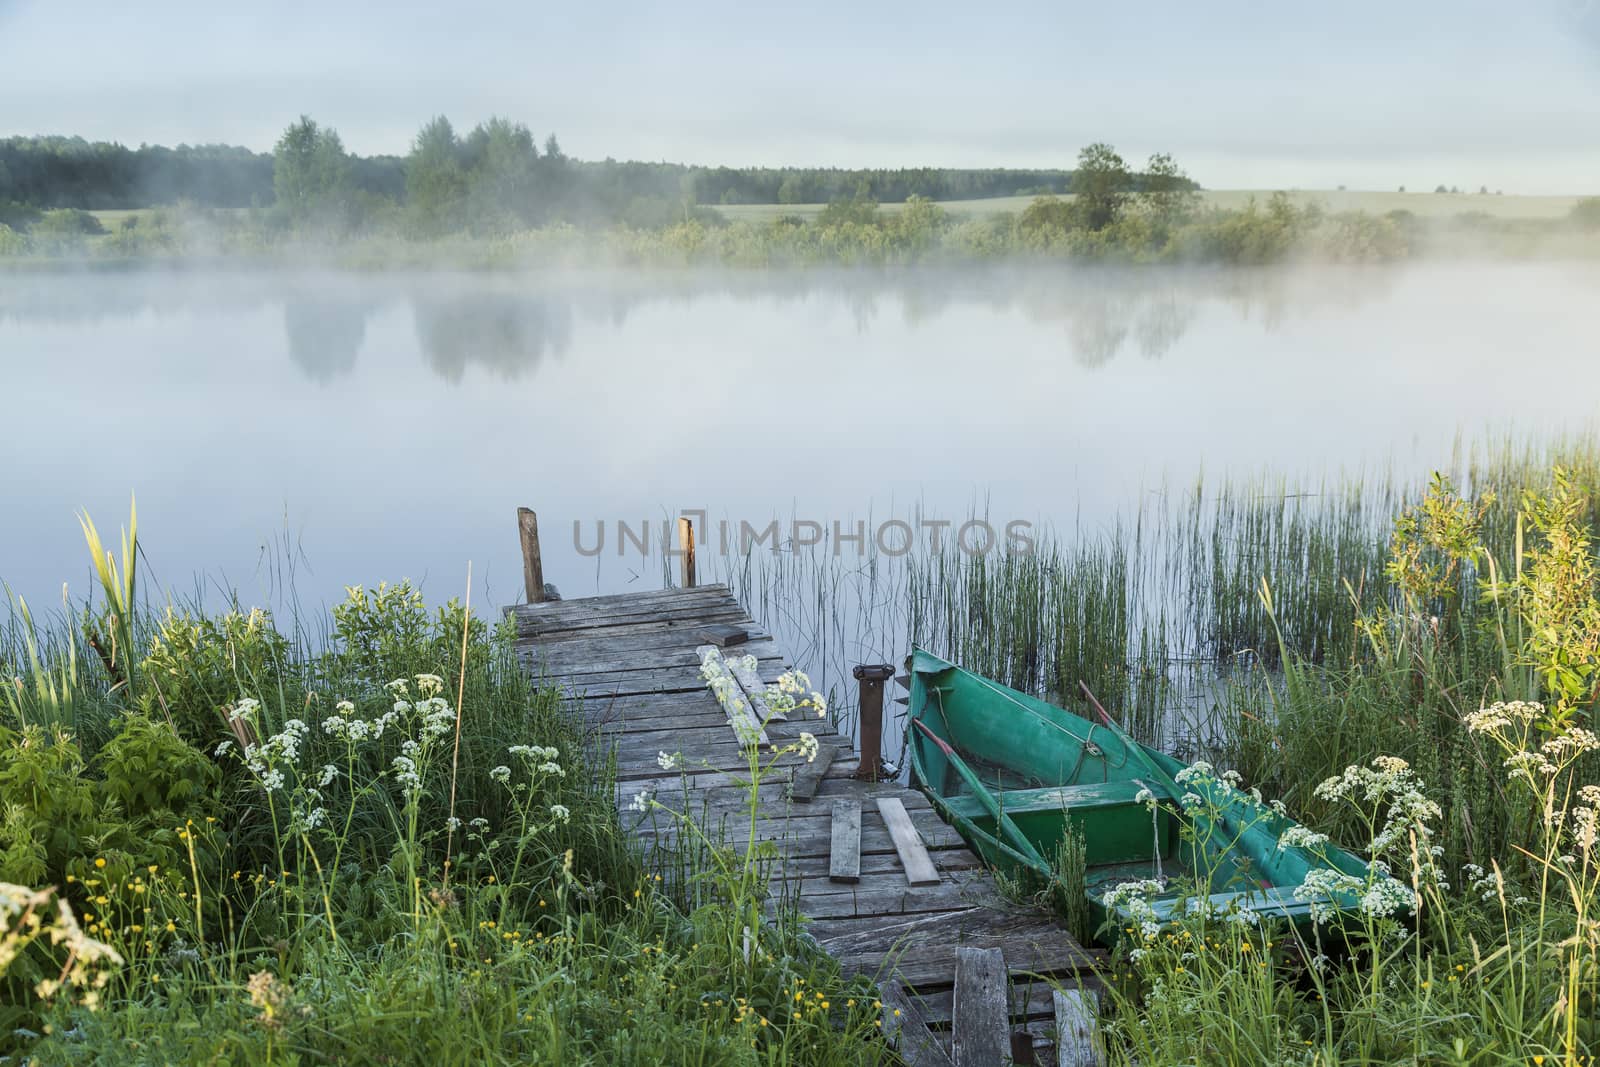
[918, 896]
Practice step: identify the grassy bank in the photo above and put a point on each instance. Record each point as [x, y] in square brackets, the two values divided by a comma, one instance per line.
[359, 839]
[1221, 227]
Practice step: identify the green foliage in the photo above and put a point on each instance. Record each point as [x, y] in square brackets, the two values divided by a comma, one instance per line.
[310, 898]
[1432, 543]
[67, 223]
[1100, 184]
[110, 632]
[859, 210]
[47, 806]
[435, 184]
[1249, 236]
[198, 664]
[1586, 213]
[1166, 196]
[1362, 238]
[1559, 598]
[12, 243]
[311, 174]
[155, 778]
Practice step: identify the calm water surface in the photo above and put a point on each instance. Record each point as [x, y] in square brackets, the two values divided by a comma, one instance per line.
[387, 426]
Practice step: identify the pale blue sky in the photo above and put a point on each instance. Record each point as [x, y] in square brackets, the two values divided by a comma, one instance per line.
[1256, 95]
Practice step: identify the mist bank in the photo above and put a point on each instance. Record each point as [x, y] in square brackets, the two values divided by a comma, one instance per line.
[496, 198]
[1278, 229]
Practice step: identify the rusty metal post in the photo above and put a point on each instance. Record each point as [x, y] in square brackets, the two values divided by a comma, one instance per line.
[871, 677]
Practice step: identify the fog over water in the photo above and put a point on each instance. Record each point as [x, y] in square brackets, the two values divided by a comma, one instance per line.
[387, 426]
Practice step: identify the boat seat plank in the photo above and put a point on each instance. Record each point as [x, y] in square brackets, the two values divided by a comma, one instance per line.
[1057, 798]
[1278, 901]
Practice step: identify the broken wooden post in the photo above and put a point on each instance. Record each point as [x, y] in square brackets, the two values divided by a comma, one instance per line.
[1077, 1029]
[871, 677]
[980, 1018]
[532, 565]
[685, 553]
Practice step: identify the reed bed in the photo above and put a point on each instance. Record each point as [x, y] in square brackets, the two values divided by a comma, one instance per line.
[1436, 641]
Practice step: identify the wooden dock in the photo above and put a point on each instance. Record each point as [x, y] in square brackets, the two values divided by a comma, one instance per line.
[888, 887]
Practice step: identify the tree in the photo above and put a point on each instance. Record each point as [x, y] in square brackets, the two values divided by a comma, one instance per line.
[1168, 194]
[1099, 185]
[1586, 213]
[436, 185]
[310, 170]
[502, 159]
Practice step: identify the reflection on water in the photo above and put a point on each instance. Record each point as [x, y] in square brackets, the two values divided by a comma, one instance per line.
[324, 333]
[505, 334]
[508, 325]
[389, 424]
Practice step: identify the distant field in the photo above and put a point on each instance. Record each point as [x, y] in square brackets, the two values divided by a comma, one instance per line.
[1433, 205]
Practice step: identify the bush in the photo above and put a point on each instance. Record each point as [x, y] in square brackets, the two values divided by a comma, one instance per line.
[1586, 213]
[12, 243]
[68, 222]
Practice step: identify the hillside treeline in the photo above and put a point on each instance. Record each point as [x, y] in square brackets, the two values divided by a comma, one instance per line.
[530, 180]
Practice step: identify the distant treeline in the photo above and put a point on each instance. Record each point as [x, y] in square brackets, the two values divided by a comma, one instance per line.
[52, 172]
[70, 172]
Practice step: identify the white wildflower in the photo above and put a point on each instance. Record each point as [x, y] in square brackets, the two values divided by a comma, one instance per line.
[560, 812]
[501, 774]
[1301, 837]
[667, 761]
[808, 746]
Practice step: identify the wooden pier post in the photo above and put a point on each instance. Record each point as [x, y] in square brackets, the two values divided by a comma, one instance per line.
[871, 677]
[685, 553]
[532, 564]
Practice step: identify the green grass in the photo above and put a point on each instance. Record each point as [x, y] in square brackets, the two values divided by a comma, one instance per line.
[308, 898]
[1424, 204]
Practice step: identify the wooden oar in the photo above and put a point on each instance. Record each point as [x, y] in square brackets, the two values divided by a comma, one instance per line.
[1161, 776]
[1002, 820]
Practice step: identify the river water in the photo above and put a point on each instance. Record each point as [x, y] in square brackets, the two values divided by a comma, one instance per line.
[333, 428]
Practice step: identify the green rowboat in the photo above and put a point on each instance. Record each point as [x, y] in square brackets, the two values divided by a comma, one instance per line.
[1010, 771]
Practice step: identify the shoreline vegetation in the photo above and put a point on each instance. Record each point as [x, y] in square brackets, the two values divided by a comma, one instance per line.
[270, 851]
[494, 198]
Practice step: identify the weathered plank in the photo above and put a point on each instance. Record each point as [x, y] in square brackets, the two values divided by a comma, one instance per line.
[724, 635]
[921, 948]
[748, 725]
[807, 779]
[633, 661]
[616, 641]
[754, 688]
[844, 857]
[677, 620]
[913, 854]
[581, 657]
[981, 1030]
[906, 1027]
[1077, 1028]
